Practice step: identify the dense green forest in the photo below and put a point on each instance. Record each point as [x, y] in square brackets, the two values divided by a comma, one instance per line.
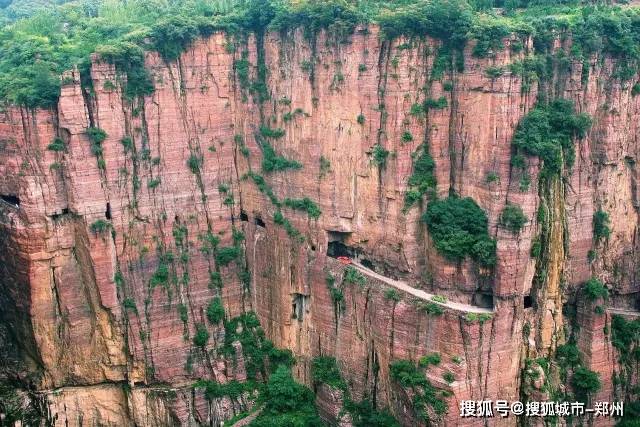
[39, 39]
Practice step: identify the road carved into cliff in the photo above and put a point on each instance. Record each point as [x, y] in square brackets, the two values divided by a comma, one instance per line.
[419, 293]
[623, 312]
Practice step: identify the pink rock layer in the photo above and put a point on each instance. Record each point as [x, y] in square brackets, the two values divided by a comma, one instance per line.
[89, 333]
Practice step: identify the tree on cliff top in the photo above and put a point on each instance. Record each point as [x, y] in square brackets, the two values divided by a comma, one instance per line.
[446, 20]
[40, 44]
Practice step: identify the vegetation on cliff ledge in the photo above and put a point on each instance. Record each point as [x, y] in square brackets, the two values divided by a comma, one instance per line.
[548, 132]
[325, 370]
[584, 382]
[37, 44]
[428, 401]
[625, 337]
[269, 380]
[458, 227]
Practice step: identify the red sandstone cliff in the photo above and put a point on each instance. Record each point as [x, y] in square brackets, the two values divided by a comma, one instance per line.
[100, 357]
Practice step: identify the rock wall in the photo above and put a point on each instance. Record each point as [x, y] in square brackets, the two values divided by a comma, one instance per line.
[92, 322]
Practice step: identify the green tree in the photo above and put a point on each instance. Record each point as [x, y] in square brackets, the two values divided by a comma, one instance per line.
[287, 403]
[215, 311]
[458, 227]
[601, 228]
[585, 382]
[512, 218]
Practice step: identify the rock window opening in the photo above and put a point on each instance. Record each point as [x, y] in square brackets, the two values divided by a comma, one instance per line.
[260, 222]
[243, 216]
[58, 216]
[528, 301]
[107, 213]
[298, 306]
[12, 200]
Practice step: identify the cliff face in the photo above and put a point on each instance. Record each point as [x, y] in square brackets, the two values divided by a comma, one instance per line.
[105, 266]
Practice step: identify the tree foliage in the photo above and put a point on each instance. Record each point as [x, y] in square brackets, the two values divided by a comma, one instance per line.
[324, 370]
[585, 382]
[548, 132]
[423, 180]
[287, 403]
[428, 401]
[601, 225]
[215, 311]
[512, 218]
[46, 37]
[458, 227]
[595, 289]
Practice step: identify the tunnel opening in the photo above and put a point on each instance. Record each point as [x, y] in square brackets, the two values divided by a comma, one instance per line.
[367, 263]
[107, 212]
[339, 249]
[10, 199]
[484, 300]
[243, 216]
[338, 236]
[259, 222]
[528, 301]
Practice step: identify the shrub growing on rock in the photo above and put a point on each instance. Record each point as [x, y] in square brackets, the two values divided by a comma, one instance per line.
[56, 145]
[458, 227]
[380, 155]
[287, 402]
[548, 130]
[324, 370]
[202, 335]
[423, 179]
[215, 311]
[585, 382]
[225, 255]
[595, 289]
[512, 218]
[601, 228]
[100, 226]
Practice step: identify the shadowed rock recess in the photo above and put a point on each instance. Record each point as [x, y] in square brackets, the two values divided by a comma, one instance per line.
[170, 256]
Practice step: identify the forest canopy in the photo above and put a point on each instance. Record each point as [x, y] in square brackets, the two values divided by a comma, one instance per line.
[40, 39]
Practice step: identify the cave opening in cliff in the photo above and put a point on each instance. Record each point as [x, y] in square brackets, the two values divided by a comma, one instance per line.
[259, 222]
[528, 301]
[243, 216]
[107, 212]
[10, 199]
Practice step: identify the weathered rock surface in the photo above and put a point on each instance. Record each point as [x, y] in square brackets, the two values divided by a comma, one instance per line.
[81, 305]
